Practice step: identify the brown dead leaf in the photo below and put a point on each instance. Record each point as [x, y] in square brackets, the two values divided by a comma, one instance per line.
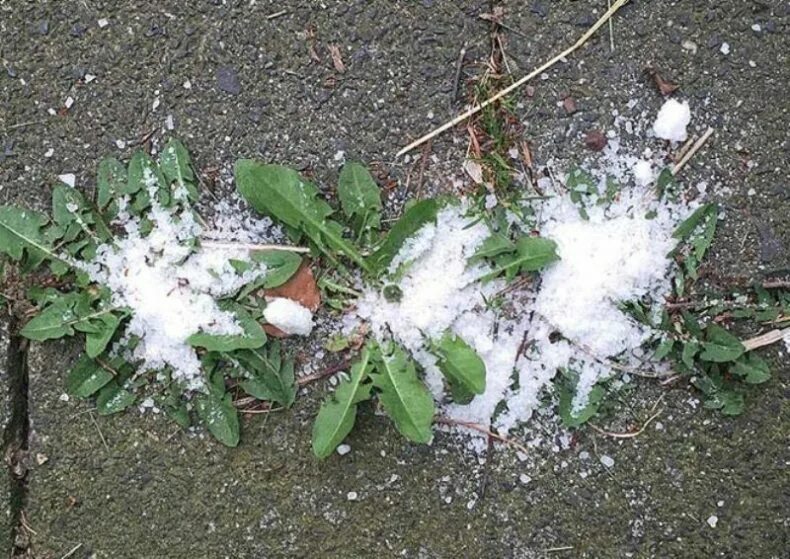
[301, 288]
[337, 59]
[664, 87]
[595, 140]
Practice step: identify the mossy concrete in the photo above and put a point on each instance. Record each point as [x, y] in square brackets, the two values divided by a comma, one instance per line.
[136, 486]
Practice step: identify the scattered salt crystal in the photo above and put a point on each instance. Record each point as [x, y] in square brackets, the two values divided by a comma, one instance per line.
[725, 48]
[49, 153]
[672, 120]
[103, 22]
[343, 449]
[720, 504]
[751, 192]
[69, 102]
[352, 496]
[340, 155]
[584, 455]
[187, 84]
[757, 27]
[289, 316]
[607, 461]
[713, 520]
[89, 78]
[169, 123]
[68, 178]
[52, 111]
[524, 479]
[155, 104]
[490, 201]
[643, 172]
[63, 397]
[120, 144]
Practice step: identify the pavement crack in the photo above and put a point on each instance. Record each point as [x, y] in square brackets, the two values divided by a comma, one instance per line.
[15, 437]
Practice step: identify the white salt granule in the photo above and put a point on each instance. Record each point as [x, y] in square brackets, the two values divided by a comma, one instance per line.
[672, 120]
[643, 172]
[170, 290]
[289, 316]
[725, 48]
[68, 178]
[713, 520]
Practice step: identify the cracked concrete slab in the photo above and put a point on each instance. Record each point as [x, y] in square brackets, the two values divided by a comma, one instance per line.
[136, 486]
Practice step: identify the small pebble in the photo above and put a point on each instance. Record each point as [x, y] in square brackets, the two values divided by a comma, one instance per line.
[343, 449]
[713, 520]
[68, 178]
[352, 496]
[524, 479]
[607, 461]
[89, 78]
[49, 153]
[69, 102]
[725, 48]
[103, 22]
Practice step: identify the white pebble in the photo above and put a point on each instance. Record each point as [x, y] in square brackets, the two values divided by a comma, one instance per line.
[343, 449]
[607, 461]
[725, 48]
[68, 178]
[352, 496]
[89, 78]
[524, 479]
[713, 520]
[103, 22]
[187, 84]
[69, 102]
[169, 123]
[49, 153]
[757, 27]
[120, 143]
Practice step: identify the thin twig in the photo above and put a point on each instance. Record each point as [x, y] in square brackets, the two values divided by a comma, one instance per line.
[277, 14]
[694, 149]
[265, 410]
[477, 427]
[101, 435]
[766, 339]
[23, 124]
[250, 246]
[72, 551]
[611, 29]
[458, 69]
[556, 549]
[561, 56]
[632, 434]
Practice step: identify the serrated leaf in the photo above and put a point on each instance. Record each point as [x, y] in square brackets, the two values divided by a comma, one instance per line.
[571, 418]
[338, 413]
[690, 350]
[67, 204]
[665, 182]
[61, 317]
[721, 346]
[687, 226]
[252, 336]
[113, 398]
[86, 377]
[96, 342]
[461, 365]
[282, 194]
[176, 166]
[111, 179]
[359, 197]
[218, 414]
[21, 231]
[532, 254]
[753, 369]
[495, 245]
[402, 394]
[412, 220]
[280, 266]
[664, 349]
[145, 177]
[272, 377]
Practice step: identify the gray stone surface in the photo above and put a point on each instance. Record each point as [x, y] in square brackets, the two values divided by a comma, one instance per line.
[136, 486]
